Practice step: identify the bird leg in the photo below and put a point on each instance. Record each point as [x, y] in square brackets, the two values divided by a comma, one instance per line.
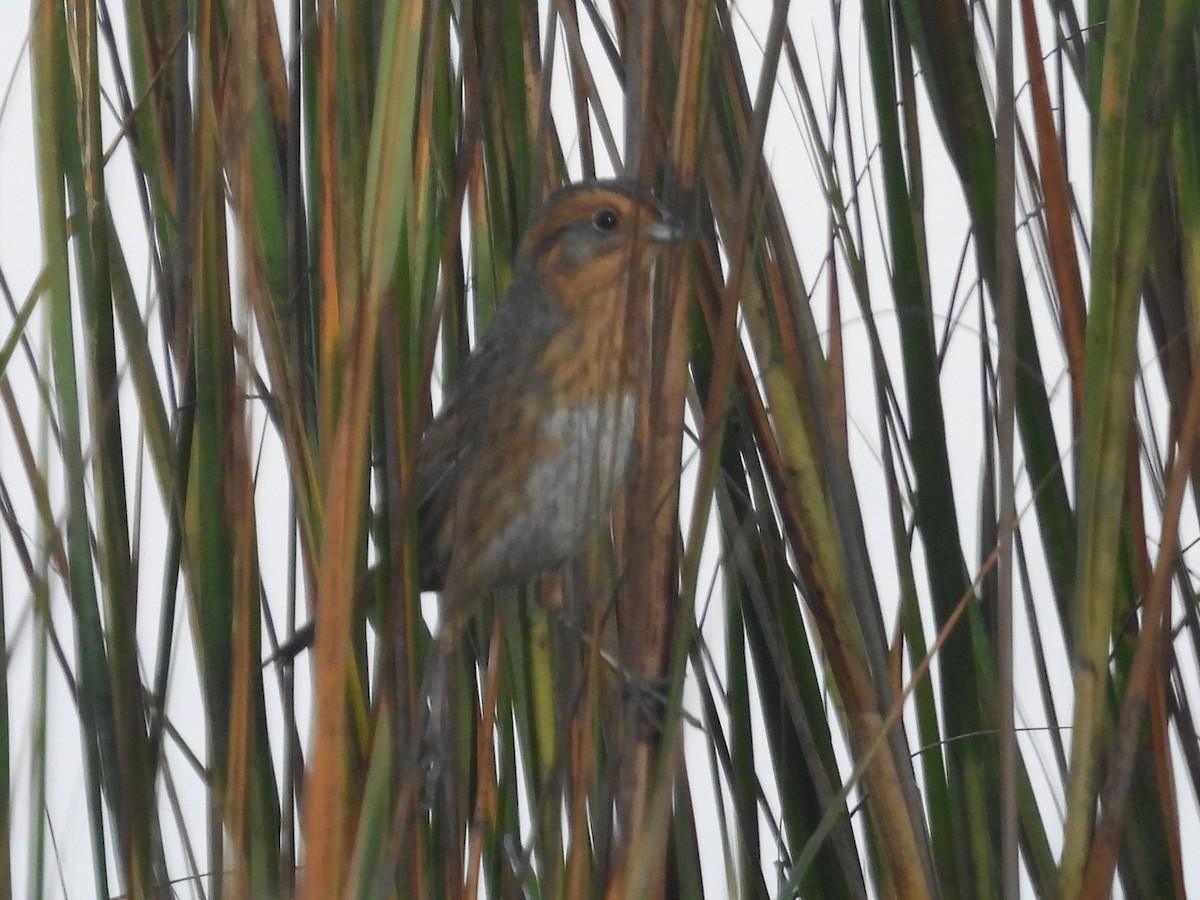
[437, 743]
[646, 700]
[647, 695]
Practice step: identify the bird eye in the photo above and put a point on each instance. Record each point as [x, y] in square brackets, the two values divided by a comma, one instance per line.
[606, 220]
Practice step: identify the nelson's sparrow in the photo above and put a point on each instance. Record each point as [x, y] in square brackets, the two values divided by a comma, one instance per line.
[520, 464]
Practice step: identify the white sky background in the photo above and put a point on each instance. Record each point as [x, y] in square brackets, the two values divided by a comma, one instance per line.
[787, 155]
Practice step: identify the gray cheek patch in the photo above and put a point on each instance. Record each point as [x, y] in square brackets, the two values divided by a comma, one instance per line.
[575, 248]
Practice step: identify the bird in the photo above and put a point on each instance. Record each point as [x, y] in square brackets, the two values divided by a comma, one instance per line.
[520, 465]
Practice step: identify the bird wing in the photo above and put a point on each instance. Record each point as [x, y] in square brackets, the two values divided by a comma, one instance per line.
[495, 380]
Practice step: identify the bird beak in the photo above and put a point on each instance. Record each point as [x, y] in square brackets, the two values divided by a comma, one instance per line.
[669, 230]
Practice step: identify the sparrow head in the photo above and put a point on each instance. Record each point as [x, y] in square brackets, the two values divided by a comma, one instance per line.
[590, 235]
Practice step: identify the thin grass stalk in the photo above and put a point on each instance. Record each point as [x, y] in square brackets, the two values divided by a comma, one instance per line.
[779, 644]
[38, 758]
[1102, 855]
[944, 44]
[941, 39]
[740, 766]
[648, 606]
[156, 38]
[1054, 186]
[718, 763]
[1171, 312]
[1007, 264]
[215, 453]
[89, 204]
[694, 31]
[715, 415]
[44, 637]
[1186, 174]
[387, 208]
[254, 797]
[21, 319]
[919, 673]
[1128, 162]
[850, 240]
[270, 222]
[328, 810]
[53, 125]
[800, 739]
[6, 879]
[840, 638]
[580, 866]
[970, 789]
[253, 814]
